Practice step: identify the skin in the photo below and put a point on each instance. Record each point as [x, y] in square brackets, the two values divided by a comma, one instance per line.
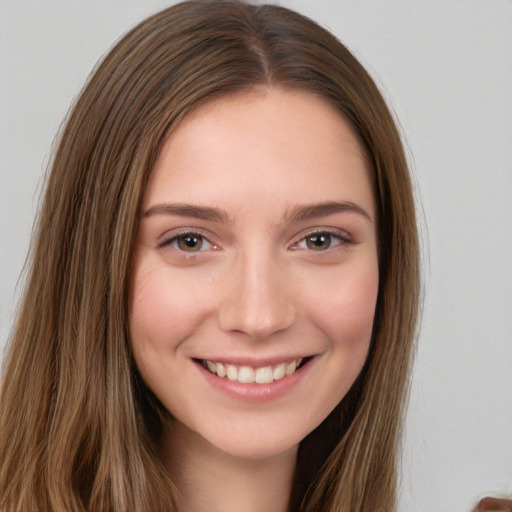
[267, 276]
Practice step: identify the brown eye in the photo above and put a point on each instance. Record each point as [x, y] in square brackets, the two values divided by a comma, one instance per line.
[190, 242]
[322, 241]
[319, 241]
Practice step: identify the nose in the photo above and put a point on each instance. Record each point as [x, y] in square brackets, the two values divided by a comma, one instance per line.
[258, 300]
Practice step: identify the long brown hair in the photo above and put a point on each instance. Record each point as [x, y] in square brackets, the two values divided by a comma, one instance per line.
[78, 428]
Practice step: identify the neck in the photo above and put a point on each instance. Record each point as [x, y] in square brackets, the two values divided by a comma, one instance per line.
[211, 480]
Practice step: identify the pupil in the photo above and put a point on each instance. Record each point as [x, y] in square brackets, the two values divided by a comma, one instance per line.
[190, 243]
[319, 242]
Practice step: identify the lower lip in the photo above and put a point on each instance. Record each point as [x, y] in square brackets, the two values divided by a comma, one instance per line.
[256, 392]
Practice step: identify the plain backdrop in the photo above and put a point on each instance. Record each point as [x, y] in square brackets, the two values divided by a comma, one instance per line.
[445, 68]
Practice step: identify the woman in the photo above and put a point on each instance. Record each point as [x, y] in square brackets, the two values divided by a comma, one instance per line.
[224, 287]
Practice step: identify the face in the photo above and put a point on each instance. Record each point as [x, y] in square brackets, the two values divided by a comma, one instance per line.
[255, 275]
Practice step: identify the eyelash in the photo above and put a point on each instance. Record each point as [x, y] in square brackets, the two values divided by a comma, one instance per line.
[335, 237]
[175, 239]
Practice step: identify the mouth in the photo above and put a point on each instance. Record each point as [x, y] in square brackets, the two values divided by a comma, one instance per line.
[254, 375]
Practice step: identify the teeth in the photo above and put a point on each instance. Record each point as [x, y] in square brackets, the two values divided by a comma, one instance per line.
[246, 375]
[221, 370]
[249, 375]
[232, 372]
[279, 371]
[264, 375]
[290, 368]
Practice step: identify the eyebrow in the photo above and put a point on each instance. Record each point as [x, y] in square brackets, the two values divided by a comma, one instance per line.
[308, 212]
[296, 214]
[189, 210]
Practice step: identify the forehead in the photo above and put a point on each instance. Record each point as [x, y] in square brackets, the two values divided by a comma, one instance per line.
[282, 145]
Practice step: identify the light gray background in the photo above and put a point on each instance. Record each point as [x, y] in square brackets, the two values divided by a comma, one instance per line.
[446, 69]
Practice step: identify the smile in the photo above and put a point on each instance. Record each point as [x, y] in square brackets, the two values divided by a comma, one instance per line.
[250, 375]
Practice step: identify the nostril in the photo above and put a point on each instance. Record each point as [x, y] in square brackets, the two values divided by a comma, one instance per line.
[256, 318]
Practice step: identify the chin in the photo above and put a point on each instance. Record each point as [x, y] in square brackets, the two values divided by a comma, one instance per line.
[249, 443]
[259, 451]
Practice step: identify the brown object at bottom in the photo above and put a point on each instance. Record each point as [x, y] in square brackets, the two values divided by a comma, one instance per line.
[494, 505]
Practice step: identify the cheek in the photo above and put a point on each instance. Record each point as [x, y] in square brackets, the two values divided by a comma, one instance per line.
[164, 310]
[346, 310]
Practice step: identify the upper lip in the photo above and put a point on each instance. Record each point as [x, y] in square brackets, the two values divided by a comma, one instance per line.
[253, 362]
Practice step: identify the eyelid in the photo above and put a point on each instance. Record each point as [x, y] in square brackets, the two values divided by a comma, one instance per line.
[344, 236]
[171, 236]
